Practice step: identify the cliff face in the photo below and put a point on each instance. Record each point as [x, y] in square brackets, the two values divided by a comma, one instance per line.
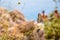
[14, 25]
[15, 14]
[3, 10]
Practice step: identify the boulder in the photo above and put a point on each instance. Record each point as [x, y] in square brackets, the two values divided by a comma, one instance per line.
[27, 26]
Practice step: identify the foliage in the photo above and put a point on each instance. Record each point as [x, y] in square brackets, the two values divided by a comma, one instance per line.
[52, 27]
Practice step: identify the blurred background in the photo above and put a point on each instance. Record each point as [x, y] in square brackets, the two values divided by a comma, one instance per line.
[30, 7]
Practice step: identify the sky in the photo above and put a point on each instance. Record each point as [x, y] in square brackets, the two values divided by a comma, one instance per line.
[30, 8]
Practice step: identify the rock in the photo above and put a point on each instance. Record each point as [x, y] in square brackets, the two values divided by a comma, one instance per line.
[15, 26]
[17, 16]
[37, 35]
[27, 26]
[3, 10]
